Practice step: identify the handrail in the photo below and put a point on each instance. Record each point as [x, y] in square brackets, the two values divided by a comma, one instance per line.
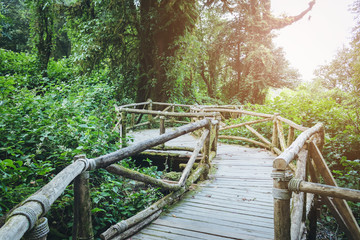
[23, 218]
[290, 185]
[288, 221]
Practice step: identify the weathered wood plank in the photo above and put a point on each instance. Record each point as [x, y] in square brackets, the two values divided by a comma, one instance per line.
[236, 204]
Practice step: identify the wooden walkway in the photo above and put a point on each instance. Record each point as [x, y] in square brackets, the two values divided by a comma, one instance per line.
[236, 204]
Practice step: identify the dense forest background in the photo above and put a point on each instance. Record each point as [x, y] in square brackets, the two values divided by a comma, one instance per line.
[65, 63]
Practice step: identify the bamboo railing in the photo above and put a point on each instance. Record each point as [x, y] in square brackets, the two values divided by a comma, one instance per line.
[29, 216]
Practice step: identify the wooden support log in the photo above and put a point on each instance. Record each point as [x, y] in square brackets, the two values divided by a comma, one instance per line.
[131, 231]
[330, 191]
[192, 159]
[172, 104]
[162, 128]
[281, 205]
[140, 125]
[299, 198]
[131, 174]
[282, 161]
[16, 225]
[169, 156]
[131, 105]
[106, 160]
[82, 227]
[179, 148]
[183, 165]
[238, 111]
[244, 139]
[132, 120]
[215, 134]
[165, 201]
[123, 130]
[162, 125]
[292, 124]
[245, 123]
[170, 114]
[290, 136]
[281, 136]
[165, 110]
[150, 117]
[122, 226]
[275, 138]
[261, 137]
[341, 205]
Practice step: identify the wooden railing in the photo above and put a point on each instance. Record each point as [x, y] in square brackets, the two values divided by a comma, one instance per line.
[29, 216]
[277, 143]
[296, 193]
[297, 171]
[147, 114]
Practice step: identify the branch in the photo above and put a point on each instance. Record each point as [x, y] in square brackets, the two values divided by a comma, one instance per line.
[278, 23]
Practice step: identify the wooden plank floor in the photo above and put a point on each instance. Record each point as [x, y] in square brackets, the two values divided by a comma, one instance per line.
[235, 204]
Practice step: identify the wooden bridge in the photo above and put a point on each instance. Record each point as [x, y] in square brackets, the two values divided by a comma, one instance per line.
[270, 192]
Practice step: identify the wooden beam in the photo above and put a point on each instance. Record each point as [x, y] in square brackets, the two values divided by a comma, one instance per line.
[108, 159]
[238, 111]
[341, 205]
[82, 227]
[330, 191]
[192, 159]
[171, 114]
[281, 135]
[134, 175]
[298, 199]
[291, 136]
[292, 124]
[282, 222]
[122, 226]
[15, 227]
[282, 161]
[245, 123]
[243, 139]
[261, 137]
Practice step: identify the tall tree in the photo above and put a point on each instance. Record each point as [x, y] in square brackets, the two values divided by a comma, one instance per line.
[43, 18]
[257, 65]
[14, 25]
[161, 23]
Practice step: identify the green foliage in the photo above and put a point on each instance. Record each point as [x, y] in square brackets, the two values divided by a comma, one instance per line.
[14, 25]
[44, 123]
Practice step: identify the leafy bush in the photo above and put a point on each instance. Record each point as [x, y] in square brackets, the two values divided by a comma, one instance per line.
[44, 123]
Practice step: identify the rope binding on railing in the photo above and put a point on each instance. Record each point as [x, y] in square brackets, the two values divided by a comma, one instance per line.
[294, 185]
[40, 230]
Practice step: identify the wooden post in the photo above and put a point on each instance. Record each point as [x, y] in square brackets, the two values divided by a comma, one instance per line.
[82, 228]
[162, 128]
[275, 141]
[282, 197]
[132, 120]
[280, 131]
[123, 129]
[172, 119]
[150, 117]
[353, 229]
[299, 199]
[290, 136]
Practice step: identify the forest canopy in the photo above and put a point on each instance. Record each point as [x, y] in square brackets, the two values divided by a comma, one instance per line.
[164, 50]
